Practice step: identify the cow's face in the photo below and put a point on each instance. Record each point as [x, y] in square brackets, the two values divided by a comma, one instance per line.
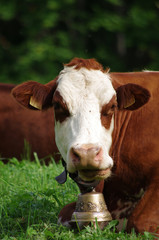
[84, 103]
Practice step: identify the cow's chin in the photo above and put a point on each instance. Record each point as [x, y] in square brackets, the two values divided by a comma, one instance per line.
[92, 175]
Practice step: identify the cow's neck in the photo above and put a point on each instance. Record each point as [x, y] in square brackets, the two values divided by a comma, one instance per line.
[120, 154]
[121, 121]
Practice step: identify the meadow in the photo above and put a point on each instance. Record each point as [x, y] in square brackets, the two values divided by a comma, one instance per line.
[30, 200]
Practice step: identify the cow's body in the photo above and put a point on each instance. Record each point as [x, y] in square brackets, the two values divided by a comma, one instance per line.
[135, 151]
[18, 124]
[107, 128]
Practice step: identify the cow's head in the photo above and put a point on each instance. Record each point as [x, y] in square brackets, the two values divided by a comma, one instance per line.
[84, 102]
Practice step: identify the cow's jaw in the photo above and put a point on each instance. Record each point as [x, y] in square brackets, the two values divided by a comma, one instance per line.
[83, 141]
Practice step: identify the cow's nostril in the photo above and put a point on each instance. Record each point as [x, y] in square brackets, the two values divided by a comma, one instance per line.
[97, 150]
[86, 155]
[75, 155]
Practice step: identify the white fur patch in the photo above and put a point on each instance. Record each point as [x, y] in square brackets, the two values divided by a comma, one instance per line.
[85, 92]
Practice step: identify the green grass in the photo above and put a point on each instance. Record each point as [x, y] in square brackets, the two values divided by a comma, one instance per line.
[30, 200]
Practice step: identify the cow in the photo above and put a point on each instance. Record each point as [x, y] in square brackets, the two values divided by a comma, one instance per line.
[18, 124]
[106, 129]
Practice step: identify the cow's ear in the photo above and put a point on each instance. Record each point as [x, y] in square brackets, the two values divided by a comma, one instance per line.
[132, 96]
[34, 95]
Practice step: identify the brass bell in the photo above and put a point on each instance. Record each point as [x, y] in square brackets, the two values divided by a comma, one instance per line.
[91, 207]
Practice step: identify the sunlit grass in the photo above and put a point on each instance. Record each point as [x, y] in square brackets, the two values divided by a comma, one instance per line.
[30, 200]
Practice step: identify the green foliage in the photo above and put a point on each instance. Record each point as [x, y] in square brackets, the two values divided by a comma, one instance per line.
[37, 37]
[30, 200]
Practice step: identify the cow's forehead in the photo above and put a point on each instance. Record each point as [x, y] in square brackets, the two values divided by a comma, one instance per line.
[76, 85]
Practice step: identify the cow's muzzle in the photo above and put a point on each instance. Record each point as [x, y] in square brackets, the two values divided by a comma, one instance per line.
[88, 156]
[87, 160]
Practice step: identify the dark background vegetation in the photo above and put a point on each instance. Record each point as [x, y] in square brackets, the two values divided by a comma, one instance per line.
[38, 36]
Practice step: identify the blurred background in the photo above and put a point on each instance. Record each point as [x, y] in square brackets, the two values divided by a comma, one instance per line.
[38, 36]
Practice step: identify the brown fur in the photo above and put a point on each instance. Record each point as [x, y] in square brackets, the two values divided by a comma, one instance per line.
[86, 63]
[40, 93]
[18, 124]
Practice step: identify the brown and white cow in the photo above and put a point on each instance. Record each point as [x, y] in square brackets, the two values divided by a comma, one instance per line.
[18, 124]
[106, 128]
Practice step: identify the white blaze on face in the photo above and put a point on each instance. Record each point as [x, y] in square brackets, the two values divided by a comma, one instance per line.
[84, 92]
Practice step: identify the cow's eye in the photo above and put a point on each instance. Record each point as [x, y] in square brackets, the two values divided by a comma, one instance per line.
[61, 112]
[56, 106]
[104, 113]
[60, 108]
[113, 107]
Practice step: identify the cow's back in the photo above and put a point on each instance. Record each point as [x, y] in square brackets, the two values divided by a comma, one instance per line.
[18, 124]
[147, 79]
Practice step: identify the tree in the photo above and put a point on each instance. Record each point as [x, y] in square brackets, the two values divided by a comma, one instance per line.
[37, 37]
